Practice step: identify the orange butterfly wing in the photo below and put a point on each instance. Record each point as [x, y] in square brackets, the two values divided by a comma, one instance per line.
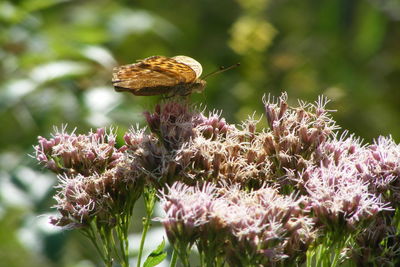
[152, 76]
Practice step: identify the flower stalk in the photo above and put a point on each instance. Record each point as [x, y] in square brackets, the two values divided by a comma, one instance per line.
[150, 201]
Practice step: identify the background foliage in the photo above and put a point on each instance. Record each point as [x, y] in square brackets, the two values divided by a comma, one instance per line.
[57, 57]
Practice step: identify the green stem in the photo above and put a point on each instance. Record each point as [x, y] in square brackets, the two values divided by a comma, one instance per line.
[113, 246]
[150, 199]
[125, 244]
[174, 259]
[146, 226]
[105, 236]
[184, 256]
[88, 233]
[202, 260]
[122, 234]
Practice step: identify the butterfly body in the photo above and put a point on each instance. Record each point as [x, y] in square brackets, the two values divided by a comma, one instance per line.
[159, 75]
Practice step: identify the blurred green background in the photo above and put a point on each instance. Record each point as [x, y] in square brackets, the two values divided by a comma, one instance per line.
[56, 59]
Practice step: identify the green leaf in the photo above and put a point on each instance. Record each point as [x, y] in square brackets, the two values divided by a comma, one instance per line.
[156, 256]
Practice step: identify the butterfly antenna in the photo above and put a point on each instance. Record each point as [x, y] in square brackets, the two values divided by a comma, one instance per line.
[221, 69]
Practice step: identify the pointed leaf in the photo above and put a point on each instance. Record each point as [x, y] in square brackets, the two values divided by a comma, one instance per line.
[156, 256]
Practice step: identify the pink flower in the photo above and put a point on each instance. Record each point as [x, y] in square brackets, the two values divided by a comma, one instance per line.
[72, 154]
[339, 197]
[260, 223]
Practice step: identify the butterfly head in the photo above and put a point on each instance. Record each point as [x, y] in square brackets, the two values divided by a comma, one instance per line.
[199, 86]
[196, 86]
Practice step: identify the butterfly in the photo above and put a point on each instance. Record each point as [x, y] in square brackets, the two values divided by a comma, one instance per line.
[158, 75]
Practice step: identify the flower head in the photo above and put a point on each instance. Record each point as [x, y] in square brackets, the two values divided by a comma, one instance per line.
[260, 223]
[78, 154]
[339, 197]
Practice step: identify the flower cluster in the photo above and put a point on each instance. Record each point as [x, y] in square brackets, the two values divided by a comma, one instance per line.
[240, 195]
[189, 146]
[300, 154]
[78, 154]
[339, 198]
[295, 133]
[376, 168]
[92, 174]
[243, 228]
[196, 147]
[382, 169]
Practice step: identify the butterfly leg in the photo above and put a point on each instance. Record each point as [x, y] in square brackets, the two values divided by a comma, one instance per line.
[184, 95]
[168, 96]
